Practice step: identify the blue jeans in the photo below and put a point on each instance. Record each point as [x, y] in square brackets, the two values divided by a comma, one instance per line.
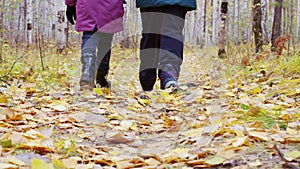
[101, 42]
[161, 43]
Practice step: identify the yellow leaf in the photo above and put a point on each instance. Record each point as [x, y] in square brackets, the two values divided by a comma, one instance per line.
[3, 99]
[260, 135]
[230, 94]
[40, 164]
[14, 160]
[216, 160]
[58, 164]
[98, 91]
[240, 141]
[256, 90]
[144, 102]
[115, 117]
[286, 116]
[292, 155]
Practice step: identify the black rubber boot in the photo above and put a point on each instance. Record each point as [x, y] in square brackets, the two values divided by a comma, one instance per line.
[101, 78]
[87, 80]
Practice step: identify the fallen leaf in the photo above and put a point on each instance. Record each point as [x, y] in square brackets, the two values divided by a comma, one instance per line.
[2, 117]
[27, 157]
[15, 161]
[124, 165]
[255, 164]
[239, 141]
[260, 135]
[121, 138]
[98, 91]
[125, 124]
[59, 108]
[152, 162]
[70, 162]
[40, 164]
[292, 155]
[216, 160]
[8, 166]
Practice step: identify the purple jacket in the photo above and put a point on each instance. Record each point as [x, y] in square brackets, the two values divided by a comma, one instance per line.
[107, 15]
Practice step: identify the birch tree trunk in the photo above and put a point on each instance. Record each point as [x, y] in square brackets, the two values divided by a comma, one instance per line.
[276, 30]
[245, 16]
[2, 4]
[264, 21]
[298, 21]
[257, 29]
[203, 23]
[236, 22]
[207, 26]
[222, 32]
[215, 22]
[29, 22]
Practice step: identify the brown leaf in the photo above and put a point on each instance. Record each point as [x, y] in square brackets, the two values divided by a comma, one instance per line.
[120, 138]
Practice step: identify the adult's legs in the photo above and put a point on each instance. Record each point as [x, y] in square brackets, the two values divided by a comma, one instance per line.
[149, 47]
[171, 53]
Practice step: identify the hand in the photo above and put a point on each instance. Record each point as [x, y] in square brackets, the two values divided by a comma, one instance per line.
[71, 14]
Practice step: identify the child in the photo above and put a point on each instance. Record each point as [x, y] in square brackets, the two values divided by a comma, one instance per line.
[98, 20]
[162, 41]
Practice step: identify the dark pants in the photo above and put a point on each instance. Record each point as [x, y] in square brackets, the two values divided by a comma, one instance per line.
[101, 42]
[161, 43]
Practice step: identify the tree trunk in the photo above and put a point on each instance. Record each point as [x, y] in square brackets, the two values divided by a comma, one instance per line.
[29, 22]
[236, 22]
[222, 32]
[264, 24]
[203, 23]
[2, 4]
[257, 29]
[276, 30]
[215, 22]
[298, 20]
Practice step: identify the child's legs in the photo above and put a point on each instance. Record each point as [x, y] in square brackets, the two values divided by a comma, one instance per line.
[90, 41]
[88, 57]
[104, 51]
[149, 47]
[171, 52]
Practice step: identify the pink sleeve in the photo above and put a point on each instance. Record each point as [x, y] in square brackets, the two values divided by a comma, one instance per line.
[70, 2]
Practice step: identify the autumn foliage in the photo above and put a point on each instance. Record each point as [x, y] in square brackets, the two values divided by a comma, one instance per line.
[280, 43]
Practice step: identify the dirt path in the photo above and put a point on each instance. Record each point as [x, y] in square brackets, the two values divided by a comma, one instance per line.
[210, 122]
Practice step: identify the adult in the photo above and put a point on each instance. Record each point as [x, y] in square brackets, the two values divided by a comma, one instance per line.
[162, 41]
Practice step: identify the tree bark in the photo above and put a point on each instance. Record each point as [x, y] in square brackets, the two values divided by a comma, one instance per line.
[236, 21]
[222, 32]
[298, 21]
[29, 22]
[257, 28]
[203, 23]
[276, 30]
[215, 22]
[264, 8]
[2, 4]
